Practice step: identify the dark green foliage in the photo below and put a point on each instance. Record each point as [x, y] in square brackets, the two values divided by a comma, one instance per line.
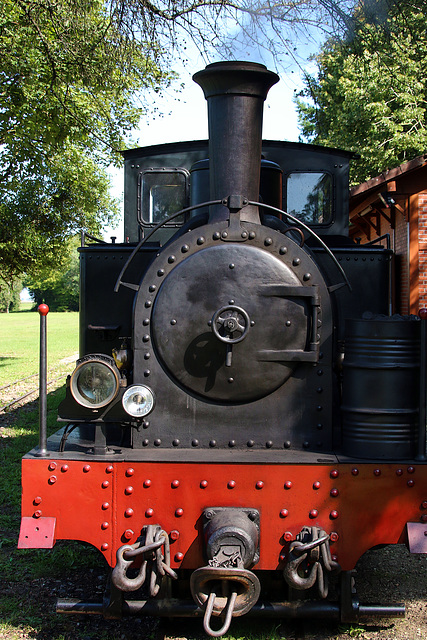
[370, 91]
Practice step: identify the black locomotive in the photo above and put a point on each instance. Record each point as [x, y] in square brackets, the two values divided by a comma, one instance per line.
[246, 416]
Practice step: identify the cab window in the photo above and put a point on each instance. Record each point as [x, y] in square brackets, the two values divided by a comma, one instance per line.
[309, 197]
[162, 192]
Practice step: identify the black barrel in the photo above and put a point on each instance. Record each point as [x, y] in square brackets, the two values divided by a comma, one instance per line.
[381, 388]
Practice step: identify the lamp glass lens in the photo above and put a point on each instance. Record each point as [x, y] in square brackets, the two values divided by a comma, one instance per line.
[138, 401]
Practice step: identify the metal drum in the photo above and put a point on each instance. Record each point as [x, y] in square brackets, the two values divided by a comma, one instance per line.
[381, 387]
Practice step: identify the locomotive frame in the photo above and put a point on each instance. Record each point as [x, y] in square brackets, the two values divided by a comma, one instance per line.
[246, 417]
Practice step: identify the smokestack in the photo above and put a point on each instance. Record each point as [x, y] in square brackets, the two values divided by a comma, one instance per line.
[235, 92]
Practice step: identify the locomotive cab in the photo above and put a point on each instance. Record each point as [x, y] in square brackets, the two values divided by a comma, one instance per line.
[226, 418]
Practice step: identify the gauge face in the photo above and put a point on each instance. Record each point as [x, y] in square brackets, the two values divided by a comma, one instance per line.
[226, 325]
[94, 383]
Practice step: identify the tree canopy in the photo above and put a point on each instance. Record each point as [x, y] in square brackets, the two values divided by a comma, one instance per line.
[370, 91]
[73, 78]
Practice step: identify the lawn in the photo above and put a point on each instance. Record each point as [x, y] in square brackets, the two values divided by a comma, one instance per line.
[19, 337]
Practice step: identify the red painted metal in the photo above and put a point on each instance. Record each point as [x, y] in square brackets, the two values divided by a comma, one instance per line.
[367, 510]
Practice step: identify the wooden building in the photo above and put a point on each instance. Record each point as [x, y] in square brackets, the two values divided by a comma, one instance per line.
[392, 208]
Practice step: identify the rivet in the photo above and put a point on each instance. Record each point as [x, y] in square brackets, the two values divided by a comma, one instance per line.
[224, 234]
[296, 261]
[252, 515]
[319, 426]
[423, 504]
[185, 248]
[288, 323]
[209, 514]
[319, 407]
[173, 322]
[231, 301]
[37, 500]
[288, 536]
[287, 444]
[269, 444]
[149, 513]
[230, 380]
[424, 518]
[203, 484]
[52, 480]
[316, 485]
[128, 491]
[231, 265]
[282, 557]
[147, 372]
[377, 472]
[250, 443]
[145, 424]
[313, 513]
[232, 443]
[333, 515]
[86, 468]
[105, 525]
[320, 372]
[216, 235]
[157, 442]
[306, 276]
[319, 390]
[244, 234]
[146, 322]
[283, 250]
[146, 338]
[105, 484]
[64, 468]
[201, 240]
[268, 242]
[175, 442]
[174, 534]
[334, 493]
[231, 484]
[109, 469]
[334, 536]
[129, 472]
[104, 546]
[145, 442]
[147, 355]
[306, 444]
[195, 443]
[37, 514]
[410, 483]
[175, 484]
[105, 506]
[52, 466]
[152, 288]
[252, 235]
[147, 483]
[179, 512]
[171, 259]
[334, 473]
[147, 304]
[129, 513]
[399, 472]
[284, 513]
[259, 484]
[161, 272]
[128, 534]
[179, 557]
[355, 472]
[288, 484]
[212, 443]
[411, 469]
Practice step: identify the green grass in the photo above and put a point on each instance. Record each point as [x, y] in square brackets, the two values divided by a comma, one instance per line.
[20, 335]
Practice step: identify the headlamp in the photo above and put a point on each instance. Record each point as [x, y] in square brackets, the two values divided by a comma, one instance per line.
[138, 400]
[95, 381]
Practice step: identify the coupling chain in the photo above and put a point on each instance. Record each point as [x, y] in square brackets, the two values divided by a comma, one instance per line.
[154, 564]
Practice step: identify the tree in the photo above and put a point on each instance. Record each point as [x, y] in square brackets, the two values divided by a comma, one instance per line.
[370, 92]
[9, 297]
[59, 288]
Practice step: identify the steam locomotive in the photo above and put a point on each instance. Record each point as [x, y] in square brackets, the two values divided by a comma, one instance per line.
[247, 416]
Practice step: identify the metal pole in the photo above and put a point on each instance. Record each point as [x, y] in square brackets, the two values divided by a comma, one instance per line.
[421, 449]
[43, 310]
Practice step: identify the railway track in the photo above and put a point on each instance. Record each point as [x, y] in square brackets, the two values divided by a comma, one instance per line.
[18, 392]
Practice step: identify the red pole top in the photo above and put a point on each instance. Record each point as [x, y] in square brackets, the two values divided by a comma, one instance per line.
[43, 309]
